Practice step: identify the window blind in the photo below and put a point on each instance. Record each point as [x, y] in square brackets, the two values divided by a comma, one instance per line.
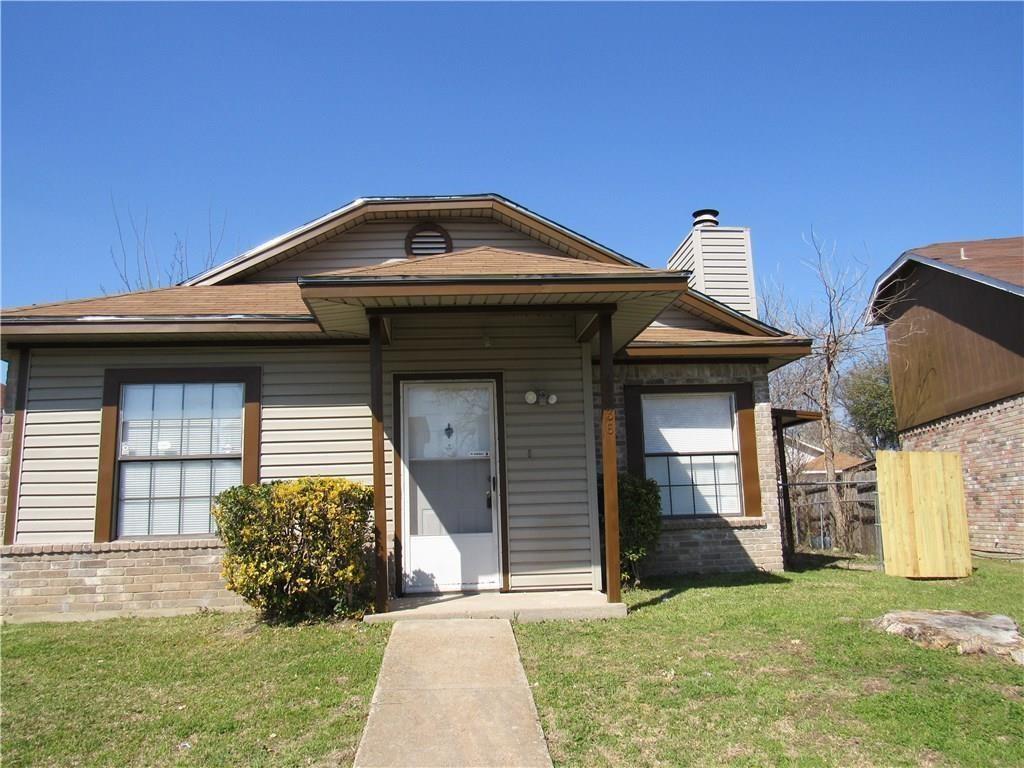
[689, 423]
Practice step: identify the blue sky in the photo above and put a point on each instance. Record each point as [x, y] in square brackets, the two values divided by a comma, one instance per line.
[882, 126]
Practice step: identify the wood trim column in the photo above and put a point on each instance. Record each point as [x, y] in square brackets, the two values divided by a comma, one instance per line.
[380, 518]
[609, 463]
[17, 446]
[788, 534]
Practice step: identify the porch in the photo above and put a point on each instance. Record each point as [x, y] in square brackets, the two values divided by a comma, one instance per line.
[514, 606]
[482, 415]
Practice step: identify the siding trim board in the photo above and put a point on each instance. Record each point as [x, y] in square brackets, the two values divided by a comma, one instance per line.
[17, 446]
[114, 378]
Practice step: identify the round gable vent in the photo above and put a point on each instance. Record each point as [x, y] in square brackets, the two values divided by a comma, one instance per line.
[427, 239]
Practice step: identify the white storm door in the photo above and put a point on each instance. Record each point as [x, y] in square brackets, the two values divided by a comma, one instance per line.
[450, 515]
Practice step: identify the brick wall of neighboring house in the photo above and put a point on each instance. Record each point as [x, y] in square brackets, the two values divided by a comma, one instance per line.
[712, 544]
[990, 441]
[85, 581]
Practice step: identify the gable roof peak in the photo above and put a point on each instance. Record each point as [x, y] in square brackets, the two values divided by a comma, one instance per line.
[366, 208]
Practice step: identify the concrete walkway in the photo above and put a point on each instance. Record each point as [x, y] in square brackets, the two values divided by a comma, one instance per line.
[515, 606]
[452, 693]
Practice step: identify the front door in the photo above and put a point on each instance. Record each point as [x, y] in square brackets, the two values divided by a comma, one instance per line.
[450, 515]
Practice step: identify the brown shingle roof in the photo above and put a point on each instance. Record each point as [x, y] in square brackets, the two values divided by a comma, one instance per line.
[488, 261]
[843, 461]
[681, 336]
[1001, 258]
[265, 300]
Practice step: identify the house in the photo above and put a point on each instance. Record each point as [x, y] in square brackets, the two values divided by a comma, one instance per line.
[806, 460]
[953, 316]
[479, 364]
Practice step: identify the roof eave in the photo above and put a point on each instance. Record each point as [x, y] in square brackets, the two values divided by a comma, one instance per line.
[912, 257]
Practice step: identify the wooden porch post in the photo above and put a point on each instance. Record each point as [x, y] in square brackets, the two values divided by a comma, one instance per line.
[786, 513]
[380, 520]
[609, 463]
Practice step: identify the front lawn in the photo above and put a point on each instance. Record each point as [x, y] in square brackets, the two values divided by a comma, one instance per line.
[206, 689]
[763, 670]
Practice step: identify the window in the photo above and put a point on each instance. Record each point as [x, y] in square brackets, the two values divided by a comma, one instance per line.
[690, 445]
[427, 239]
[180, 445]
[170, 441]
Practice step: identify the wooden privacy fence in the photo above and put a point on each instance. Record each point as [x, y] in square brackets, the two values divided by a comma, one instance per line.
[924, 523]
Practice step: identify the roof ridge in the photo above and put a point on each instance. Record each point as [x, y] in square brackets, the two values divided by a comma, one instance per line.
[477, 249]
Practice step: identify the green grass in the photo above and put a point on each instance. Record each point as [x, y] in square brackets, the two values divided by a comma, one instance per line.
[206, 689]
[763, 670]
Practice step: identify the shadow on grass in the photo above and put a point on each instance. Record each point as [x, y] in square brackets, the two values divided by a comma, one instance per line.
[667, 587]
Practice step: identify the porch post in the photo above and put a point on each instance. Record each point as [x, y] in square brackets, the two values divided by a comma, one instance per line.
[786, 513]
[609, 463]
[380, 521]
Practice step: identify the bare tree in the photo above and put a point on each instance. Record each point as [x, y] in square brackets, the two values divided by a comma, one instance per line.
[835, 319]
[141, 268]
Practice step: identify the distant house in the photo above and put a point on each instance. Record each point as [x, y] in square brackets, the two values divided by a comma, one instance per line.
[954, 324]
[806, 460]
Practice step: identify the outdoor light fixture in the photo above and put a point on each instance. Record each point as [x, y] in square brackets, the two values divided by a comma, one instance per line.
[540, 397]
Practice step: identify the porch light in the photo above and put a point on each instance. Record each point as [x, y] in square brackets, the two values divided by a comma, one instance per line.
[540, 397]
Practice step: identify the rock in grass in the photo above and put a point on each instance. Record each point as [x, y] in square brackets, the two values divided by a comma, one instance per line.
[968, 632]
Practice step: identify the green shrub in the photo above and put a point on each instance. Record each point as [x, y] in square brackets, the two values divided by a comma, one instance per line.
[639, 523]
[299, 548]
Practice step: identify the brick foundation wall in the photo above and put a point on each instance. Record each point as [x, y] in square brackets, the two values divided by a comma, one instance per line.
[70, 582]
[990, 441]
[713, 544]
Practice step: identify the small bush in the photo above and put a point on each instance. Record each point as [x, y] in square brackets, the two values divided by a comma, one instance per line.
[639, 523]
[299, 548]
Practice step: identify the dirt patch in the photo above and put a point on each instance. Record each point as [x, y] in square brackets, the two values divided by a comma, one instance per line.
[874, 685]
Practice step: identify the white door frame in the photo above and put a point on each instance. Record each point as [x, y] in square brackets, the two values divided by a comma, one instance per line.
[497, 439]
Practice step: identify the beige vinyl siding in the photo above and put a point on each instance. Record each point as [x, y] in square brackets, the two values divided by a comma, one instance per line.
[315, 420]
[676, 317]
[550, 504]
[378, 241]
[721, 260]
[727, 273]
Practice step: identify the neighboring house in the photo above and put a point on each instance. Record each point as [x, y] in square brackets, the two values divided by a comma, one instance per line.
[807, 460]
[480, 365]
[954, 323]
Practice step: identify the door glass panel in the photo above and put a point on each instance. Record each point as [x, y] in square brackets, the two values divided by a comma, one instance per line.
[448, 446]
[448, 421]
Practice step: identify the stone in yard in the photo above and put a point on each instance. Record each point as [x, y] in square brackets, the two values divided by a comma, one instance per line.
[969, 632]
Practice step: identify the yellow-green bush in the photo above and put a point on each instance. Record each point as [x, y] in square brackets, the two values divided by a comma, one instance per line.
[299, 548]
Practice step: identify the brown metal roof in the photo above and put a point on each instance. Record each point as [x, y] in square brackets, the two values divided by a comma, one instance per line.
[1001, 258]
[489, 261]
[256, 300]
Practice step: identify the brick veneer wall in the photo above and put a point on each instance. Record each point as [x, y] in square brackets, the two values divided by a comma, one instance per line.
[713, 544]
[990, 441]
[87, 581]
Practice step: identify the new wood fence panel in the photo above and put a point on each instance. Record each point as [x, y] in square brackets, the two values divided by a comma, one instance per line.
[924, 522]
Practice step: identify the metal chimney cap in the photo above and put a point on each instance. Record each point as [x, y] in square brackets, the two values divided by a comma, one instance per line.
[705, 217]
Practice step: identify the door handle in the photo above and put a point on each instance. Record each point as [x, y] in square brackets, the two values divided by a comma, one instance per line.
[488, 499]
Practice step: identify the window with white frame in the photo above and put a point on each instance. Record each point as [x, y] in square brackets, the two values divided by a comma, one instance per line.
[691, 449]
[179, 446]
